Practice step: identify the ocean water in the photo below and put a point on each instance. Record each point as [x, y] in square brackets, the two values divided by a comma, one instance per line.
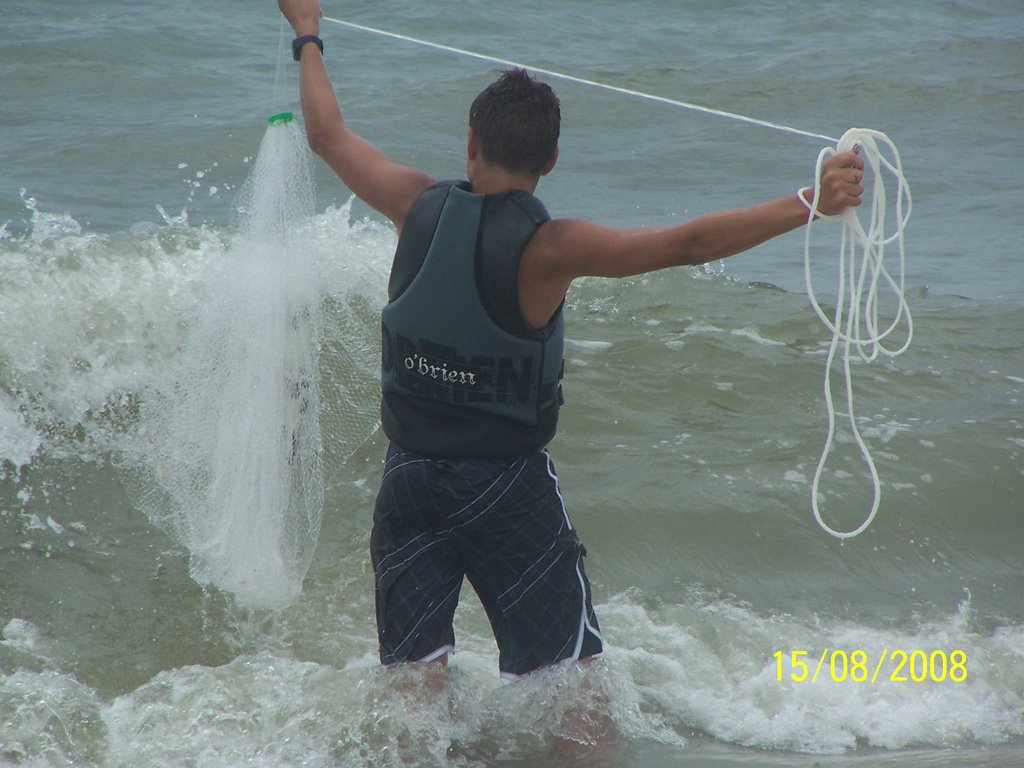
[188, 400]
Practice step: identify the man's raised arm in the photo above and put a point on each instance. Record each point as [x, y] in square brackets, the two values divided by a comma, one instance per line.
[381, 183]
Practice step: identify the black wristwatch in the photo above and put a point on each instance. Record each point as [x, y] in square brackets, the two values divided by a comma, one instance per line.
[299, 42]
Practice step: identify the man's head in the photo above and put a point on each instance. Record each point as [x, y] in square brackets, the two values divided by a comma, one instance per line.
[516, 120]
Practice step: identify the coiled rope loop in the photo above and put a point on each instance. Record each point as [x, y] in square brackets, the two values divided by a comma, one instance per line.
[855, 322]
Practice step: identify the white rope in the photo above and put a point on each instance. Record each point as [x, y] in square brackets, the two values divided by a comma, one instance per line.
[581, 80]
[861, 269]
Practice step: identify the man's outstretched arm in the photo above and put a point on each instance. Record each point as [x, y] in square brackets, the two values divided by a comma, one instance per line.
[564, 249]
[381, 183]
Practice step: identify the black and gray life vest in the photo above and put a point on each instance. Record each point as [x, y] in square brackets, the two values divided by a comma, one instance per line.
[462, 374]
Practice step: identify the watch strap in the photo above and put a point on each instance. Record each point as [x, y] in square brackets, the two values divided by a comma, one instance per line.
[299, 42]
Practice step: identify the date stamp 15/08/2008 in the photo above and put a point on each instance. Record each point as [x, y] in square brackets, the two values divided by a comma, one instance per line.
[893, 665]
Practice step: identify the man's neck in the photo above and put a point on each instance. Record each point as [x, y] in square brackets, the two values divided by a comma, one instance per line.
[491, 179]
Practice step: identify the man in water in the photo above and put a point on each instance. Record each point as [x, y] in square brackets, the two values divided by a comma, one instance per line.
[472, 362]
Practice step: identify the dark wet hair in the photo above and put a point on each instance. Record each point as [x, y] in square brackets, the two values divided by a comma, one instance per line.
[517, 120]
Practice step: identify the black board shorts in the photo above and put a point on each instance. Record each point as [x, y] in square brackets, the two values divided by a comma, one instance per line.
[501, 524]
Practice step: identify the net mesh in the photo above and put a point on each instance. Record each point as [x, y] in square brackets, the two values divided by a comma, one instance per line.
[229, 453]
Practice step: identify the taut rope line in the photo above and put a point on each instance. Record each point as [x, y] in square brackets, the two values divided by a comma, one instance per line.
[581, 80]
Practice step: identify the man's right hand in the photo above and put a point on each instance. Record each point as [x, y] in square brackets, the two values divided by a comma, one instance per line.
[303, 15]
